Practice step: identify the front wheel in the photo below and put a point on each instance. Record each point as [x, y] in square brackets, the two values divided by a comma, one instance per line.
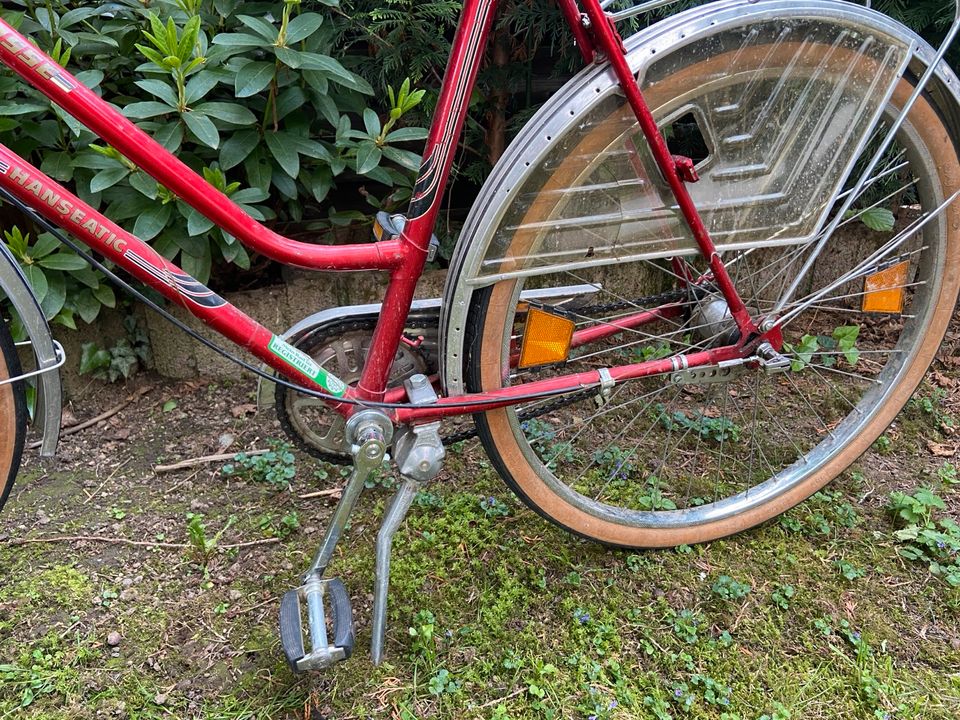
[13, 414]
[659, 464]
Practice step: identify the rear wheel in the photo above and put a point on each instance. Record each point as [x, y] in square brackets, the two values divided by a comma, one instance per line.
[13, 414]
[661, 464]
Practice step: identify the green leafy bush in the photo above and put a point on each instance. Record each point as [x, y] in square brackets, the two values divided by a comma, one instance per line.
[925, 537]
[826, 350]
[246, 93]
[121, 360]
[64, 284]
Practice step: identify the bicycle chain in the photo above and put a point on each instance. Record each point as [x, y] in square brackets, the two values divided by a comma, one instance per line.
[524, 415]
[664, 298]
[575, 397]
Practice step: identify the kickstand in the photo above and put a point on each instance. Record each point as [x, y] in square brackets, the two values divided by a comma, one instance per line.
[419, 453]
[368, 451]
[391, 522]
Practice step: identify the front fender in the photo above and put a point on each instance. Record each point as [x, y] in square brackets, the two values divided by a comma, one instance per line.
[47, 354]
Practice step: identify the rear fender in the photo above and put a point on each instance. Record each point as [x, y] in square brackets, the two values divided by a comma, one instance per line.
[569, 105]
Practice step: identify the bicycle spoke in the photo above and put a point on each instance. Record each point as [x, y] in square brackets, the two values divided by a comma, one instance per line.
[704, 442]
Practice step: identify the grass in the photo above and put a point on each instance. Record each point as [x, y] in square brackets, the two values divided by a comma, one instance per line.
[493, 613]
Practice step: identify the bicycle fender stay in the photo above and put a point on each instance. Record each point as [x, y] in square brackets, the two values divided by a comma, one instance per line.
[789, 209]
[47, 353]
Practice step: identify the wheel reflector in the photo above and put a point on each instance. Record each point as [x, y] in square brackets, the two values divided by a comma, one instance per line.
[883, 290]
[546, 338]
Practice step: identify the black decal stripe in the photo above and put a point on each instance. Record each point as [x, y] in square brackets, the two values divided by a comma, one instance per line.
[425, 190]
[428, 171]
[212, 300]
[427, 165]
[188, 287]
[194, 290]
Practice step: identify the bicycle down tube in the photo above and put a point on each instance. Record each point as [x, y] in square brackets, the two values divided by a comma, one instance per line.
[403, 258]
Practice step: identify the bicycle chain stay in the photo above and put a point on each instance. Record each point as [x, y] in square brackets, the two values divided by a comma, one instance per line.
[664, 298]
[348, 325]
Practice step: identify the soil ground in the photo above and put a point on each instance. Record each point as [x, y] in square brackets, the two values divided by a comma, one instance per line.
[129, 593]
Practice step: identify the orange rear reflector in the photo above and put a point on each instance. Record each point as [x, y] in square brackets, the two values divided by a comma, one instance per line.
[883, 290]
[546, 338]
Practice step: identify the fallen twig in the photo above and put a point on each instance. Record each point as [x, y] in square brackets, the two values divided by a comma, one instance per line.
[501, 699]
[240, 611]
[94, 538]
[67, 631]
[109, 478]
[125, 541]
[177, 486]
[251, 543]
[332, 492]
[71, 429]
[193, 462]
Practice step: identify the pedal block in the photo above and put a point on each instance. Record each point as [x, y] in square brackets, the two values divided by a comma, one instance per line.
[314, 597]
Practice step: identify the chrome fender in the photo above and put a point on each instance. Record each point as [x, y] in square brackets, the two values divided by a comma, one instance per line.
[47, 353]
[533, 143]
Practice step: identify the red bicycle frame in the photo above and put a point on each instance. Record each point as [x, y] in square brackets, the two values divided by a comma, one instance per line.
[404, 258]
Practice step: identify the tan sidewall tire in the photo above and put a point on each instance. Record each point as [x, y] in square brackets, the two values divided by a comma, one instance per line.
[535, 492]
[12, 415]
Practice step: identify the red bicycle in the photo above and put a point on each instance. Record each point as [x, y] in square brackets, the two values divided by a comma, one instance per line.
[655, 349]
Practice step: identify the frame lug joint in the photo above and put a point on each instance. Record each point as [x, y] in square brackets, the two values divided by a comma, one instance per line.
[391, 227]
[686, 169]
[612, 25]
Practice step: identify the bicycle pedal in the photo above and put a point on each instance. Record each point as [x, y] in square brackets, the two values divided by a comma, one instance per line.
[321, 653]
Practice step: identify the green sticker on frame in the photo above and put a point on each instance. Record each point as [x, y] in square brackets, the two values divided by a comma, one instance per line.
[305, 364]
